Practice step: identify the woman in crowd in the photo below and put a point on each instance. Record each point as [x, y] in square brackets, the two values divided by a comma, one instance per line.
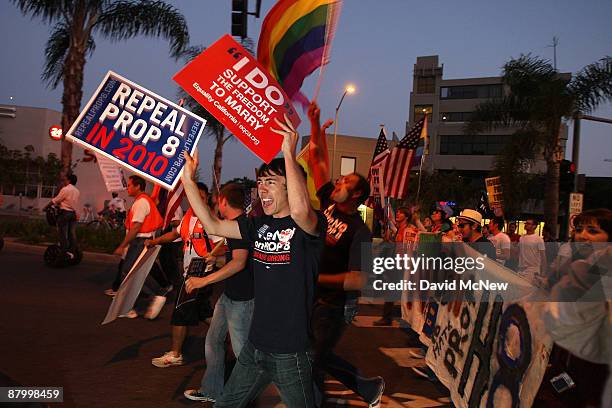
[580, 320]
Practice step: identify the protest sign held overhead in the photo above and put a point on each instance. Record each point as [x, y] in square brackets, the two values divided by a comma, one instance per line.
[137, 129]
[229, 82]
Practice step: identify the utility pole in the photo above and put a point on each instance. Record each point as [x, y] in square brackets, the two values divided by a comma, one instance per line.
[554, 47]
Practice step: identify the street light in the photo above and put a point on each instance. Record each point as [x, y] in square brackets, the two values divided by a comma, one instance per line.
[348, 90]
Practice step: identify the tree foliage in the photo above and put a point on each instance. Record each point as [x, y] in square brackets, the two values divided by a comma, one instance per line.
[538, 100]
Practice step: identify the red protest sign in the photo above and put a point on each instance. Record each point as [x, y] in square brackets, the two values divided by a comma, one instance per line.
[237, 90]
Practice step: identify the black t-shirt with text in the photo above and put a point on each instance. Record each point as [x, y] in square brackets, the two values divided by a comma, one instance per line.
[342, 252]
[239, 287]
[285, 264]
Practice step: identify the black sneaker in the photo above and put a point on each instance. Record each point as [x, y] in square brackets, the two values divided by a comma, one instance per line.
[377, 400]
[196, 395]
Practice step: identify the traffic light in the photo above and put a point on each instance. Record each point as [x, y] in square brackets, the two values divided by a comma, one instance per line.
[240, 10]
[567, 172]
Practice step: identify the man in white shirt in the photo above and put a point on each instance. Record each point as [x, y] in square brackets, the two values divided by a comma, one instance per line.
[532, 254]
[500, 240]
[68, 201]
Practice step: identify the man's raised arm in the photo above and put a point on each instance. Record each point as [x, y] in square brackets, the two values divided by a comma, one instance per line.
[212, 224]
[317, 148]
[299, 201]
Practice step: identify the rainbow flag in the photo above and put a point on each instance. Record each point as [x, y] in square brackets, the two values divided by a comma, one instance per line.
[303, 158]
[296, 39]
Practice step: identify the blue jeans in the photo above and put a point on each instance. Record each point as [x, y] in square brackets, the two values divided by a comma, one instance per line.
[255, 369]
[231, 315]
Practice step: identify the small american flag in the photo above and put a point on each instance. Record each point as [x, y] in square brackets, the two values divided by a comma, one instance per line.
[397, 168]
[382, 149]
[381, 153]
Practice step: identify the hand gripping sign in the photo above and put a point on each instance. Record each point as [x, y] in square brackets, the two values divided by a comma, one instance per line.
[230, 84]
[137, 129]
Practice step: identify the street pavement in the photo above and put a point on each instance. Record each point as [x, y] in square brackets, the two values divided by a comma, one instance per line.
[50, 335]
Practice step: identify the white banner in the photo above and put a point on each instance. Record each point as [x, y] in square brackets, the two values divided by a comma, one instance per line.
[112, 174]
[487, 351]
[132, 284]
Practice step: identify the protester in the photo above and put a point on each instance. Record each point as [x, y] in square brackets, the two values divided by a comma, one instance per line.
[287, 243]
[196, 244]
[439, 219]
[170, 273]
[484, 230]
[68, 201]
[514, 237]
[234, 308]
[142, 221]
[532, 254]
[117, 207]
[427, 223]
[500, 241]
[468, 223]
[581, 325]
[403, 232]
[512, 263]
[340, 277]
[552, 245]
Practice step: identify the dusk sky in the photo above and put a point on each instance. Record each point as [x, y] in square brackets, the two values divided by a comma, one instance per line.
[376, 45]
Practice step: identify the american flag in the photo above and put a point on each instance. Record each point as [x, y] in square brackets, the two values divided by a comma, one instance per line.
[382, 149]
[399, 162]
[381, 153]
[168, 202]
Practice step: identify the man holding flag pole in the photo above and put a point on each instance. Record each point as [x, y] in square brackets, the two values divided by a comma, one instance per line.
[340, 278]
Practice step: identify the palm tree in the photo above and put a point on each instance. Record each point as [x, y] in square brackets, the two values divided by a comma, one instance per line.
[539, 100]
[72, 41]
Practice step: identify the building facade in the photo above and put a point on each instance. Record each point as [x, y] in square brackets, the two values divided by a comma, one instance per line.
[449, 104]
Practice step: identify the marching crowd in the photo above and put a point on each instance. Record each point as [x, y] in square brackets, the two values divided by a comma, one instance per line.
[292, 278]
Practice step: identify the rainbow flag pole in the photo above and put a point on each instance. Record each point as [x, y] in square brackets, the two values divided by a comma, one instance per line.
[333, 14]
[295, 40]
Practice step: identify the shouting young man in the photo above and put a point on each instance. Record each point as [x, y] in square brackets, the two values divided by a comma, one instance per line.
[286, 244]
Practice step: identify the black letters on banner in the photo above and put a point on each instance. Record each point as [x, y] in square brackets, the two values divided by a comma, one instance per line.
[511, 371]
[482, 350]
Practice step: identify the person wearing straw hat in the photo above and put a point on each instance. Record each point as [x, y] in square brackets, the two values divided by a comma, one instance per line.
[468, 222]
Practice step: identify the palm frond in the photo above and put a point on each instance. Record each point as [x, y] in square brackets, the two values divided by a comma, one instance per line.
[47, 10]
[55, 54]
[524, 74]
[125, 19]
[189, 53]
[592, 85]
[498, 113]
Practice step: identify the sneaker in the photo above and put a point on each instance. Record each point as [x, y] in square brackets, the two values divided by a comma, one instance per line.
[425, 372]
[196, 395]
[155, 307]
[383, 321]
[167, 360]
[377, 400]
[110, 292]
[418, 353]
[132, 314]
